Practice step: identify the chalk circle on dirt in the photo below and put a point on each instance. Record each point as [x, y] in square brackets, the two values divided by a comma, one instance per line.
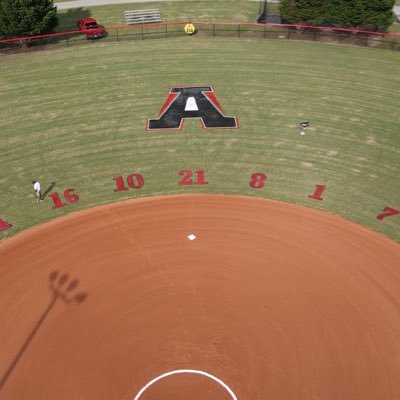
[186, 371]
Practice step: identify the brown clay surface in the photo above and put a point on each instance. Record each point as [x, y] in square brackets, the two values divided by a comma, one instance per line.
[277, 301]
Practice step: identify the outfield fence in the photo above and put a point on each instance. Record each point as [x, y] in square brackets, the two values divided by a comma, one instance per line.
[390, 41]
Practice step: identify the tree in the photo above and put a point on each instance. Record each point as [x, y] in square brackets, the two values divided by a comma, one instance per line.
[20, 18]
[369, 15]
[304, 12]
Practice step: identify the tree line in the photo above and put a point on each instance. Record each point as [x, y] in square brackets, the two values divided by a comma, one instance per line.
[19, 18]
[368, 15]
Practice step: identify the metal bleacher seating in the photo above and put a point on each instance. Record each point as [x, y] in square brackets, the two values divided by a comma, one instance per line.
[138, 17]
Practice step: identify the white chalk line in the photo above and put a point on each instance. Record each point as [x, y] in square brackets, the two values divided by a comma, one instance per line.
[186, 371]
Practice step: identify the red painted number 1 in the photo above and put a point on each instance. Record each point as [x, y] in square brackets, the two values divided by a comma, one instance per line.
[318, 192]
[389, 213]
[187, 178]
[69, 195]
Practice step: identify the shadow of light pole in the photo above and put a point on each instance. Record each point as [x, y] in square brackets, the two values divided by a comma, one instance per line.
[59, 292]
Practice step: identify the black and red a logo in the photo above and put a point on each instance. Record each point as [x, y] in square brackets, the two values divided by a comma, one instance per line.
[191, 102]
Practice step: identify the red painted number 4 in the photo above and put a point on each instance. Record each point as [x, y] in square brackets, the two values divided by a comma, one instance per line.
[389, 212]
[69, 195]
[4, 225]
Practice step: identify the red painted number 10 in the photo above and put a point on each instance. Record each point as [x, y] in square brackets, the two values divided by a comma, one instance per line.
[134, 181]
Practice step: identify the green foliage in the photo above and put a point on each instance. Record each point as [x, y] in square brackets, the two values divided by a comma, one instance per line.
[372, 15]
[304, 12]
[19, 18]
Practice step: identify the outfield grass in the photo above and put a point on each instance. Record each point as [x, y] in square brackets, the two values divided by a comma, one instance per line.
[76, 116]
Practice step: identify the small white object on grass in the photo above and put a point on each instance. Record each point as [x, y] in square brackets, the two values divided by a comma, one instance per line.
[191, 236]
[302, 133]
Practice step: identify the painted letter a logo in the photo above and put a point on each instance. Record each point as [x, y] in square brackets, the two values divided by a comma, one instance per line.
[191, 102]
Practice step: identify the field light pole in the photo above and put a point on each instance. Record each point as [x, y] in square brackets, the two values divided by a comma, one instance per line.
[262, 18]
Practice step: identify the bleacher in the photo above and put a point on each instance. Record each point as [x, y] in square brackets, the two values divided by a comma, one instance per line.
[139, 17]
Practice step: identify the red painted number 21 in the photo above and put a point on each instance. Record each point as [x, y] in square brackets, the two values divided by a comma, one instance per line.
[188, 175]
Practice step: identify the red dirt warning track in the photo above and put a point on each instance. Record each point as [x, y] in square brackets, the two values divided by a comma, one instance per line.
[275, 300]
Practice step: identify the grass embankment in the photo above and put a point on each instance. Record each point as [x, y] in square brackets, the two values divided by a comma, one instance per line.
[77, 116]
[171, 11]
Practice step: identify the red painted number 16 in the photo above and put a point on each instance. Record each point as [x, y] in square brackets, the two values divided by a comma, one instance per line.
[69, 195]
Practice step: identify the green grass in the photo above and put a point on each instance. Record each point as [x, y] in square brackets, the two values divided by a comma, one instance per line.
[76, 116]
[395, 28]
[171, 11]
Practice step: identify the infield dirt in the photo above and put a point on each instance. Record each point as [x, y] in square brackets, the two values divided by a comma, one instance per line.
[276, 300]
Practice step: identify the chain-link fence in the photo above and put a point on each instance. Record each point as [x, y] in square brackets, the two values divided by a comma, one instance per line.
[206, 29]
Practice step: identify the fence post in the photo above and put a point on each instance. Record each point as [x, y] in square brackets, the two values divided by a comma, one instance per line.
[288, 33]
[393, 42]
[239, 30]
[213, 30]
[117, 35]
[265, 31]
[142, 34]
[166, 30]
[67, 42]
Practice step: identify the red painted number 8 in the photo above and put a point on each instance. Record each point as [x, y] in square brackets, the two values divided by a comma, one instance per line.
[258, 180]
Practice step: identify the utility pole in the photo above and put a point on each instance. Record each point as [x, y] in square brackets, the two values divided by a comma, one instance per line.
[262, 17]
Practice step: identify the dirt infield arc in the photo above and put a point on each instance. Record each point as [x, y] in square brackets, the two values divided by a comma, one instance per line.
[275, 300]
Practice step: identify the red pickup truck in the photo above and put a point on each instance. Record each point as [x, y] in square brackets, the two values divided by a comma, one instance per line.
[90, 28]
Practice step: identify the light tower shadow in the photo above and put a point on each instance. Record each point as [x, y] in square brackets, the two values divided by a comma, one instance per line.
[60, 291]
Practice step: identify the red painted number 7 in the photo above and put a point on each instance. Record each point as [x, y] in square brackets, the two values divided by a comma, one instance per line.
[389, 213]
